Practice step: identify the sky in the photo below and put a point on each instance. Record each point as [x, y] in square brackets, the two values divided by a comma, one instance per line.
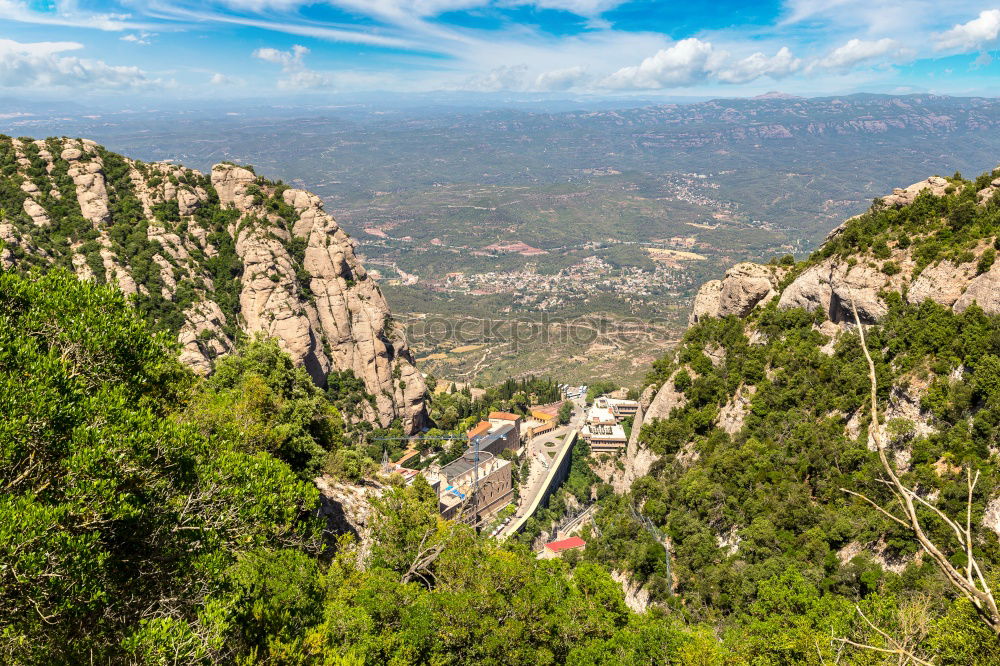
[282, 49]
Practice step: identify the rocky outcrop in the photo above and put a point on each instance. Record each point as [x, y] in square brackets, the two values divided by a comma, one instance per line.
[835, 284]
[832, 286]
[706, 302]
[287, 269]
[345, 325]
[91, 190]
[667, 398]
[636, 596]
[902, 196]
[347, 510]
[734, 412]
[744, 287]
[203, 337]
[984, 291]
[943, 283]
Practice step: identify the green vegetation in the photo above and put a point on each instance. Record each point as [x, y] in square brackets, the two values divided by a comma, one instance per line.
[137, 526]
[932, 228]
[257, 398]
[767, 505]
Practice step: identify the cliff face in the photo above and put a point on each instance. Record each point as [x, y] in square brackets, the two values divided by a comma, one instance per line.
[831, 281]
[209, 258]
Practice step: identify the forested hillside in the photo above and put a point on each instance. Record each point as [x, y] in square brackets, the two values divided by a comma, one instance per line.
[152, 515]
[766, 459]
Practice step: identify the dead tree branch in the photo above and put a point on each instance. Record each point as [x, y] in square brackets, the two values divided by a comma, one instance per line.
[971, 583]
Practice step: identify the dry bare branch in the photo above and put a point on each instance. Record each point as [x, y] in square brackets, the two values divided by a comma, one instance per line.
[972, 584]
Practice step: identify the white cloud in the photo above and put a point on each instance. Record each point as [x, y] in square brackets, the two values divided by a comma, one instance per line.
[219, 79]
[856, 51]
[141, 38]
[40, 65]
[505, 77]
[429, 8]
[561, 79]
[685, 63]
[297, 75]
[778, 66]
[579, 7]
[305, 79]
[976, 33]
[287, 59]
[65, 13]
[692, 61]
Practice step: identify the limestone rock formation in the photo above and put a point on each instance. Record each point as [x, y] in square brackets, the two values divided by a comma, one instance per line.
[706, 301]
[203, 336]
[218, 253]
[902, 196]
[735, 411]
[832, 285]
[667, 398]
[943, 283]
[984, 291]
[744, 287]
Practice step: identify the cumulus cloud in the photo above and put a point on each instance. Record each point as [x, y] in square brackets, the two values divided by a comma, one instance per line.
[519, 78]
[579, 7]
[561, 79]
[287, 59]
[778, 66]
[40, 65]
[685, 63]
[505, 77]
[857, 51]
[296, 75]
[976, 33]
[691, 61]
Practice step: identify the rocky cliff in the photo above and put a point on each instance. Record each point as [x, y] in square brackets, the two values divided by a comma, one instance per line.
[935, 240]
[918, 260]
[209, 258]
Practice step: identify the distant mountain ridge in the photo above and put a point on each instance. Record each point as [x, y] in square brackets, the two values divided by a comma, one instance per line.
[209, 258]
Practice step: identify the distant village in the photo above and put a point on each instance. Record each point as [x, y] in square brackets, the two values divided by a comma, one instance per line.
[538, 291]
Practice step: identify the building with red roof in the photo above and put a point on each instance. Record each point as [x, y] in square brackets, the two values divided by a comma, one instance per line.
[558, 547]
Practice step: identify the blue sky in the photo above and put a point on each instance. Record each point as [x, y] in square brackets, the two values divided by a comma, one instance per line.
[281, 48]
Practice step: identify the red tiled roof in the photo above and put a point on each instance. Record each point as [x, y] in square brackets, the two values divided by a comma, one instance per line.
[504, 416]
[566, 544]
[479, 429]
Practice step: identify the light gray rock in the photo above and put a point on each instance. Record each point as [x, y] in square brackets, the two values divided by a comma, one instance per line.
[811, 290]
[346, 324]
[905, 196]
[943, 283]
[734, 412]
[832, 285]
[744, 286]
[202, 337]
[91, 191]
[37, 214]
[706, 302]
[667, 398]
[984, 290]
